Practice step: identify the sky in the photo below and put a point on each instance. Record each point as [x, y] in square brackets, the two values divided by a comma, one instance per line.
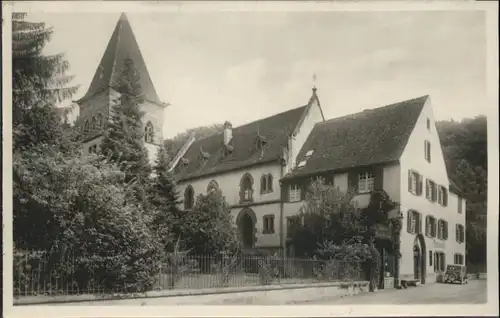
[242, 66]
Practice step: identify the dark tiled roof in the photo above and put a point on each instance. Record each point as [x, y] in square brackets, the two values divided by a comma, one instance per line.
[121, 46]
[275, 130]
[373, 136]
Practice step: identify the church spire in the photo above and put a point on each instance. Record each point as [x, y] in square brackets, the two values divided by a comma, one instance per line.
[121, 46]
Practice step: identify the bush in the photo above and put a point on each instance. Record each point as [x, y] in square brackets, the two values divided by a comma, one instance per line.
[93, 233]
[208, 229]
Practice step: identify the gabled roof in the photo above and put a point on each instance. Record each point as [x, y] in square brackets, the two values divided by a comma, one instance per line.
[121, 46]
[274, 130]
[369, 137]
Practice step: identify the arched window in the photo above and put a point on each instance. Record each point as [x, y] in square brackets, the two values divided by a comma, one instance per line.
[212, 186]
[93, 125]
[266, 183]
[263, 184]
[86, 126]
[100, 120]
[148, 132]
[246, 189]
[188, 198]
[269, 183]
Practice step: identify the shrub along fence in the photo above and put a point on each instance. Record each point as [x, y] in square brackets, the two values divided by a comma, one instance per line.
[52, 274]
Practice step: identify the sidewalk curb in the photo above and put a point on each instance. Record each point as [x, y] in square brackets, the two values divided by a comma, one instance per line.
[46, 300]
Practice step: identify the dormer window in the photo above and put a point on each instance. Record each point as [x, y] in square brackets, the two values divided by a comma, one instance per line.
[94, 123]
[204, 155]
[183, 162]
[148, 132]
[93, 149]
[246, 189]
[261, 142]
[227, 151]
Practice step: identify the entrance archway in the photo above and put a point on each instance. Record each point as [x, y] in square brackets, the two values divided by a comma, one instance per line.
[246, 221]
[419, 258]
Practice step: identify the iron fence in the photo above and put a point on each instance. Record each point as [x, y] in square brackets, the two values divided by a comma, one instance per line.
[52, 274]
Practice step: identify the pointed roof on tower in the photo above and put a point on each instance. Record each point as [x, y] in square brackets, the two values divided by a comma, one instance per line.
[121, 46]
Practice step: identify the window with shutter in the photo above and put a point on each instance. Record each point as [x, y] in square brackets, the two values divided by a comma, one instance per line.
[427, 146]
[409, 222]
[414, 182]
[427, 226]
[410, 181]
[435, 261]
[427, 189]
[432, 222]
[445, 196]
[419, 184]
[433, 191]
[413, 222]
[418, 227]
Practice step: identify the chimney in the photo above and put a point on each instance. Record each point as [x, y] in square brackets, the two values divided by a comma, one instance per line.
[228, 133]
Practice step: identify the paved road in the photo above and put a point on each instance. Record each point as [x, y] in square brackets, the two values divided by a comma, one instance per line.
[475, 292]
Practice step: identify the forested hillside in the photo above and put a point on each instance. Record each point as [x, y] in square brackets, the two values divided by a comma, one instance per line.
[466, 153]
[174, 144]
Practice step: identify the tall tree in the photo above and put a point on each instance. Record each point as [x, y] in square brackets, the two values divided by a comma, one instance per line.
[163, 197]
[39, 81]
[123, 142]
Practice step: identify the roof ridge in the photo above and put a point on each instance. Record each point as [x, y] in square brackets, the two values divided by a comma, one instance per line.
[253, 122]
[275, 115]
[373, 109]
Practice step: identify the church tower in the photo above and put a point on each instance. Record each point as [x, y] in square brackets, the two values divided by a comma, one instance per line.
[96, 104]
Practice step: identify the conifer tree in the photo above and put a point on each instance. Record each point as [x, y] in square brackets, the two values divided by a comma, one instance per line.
[39, 81]
[164, 185]
[164, 198]
[123, 142]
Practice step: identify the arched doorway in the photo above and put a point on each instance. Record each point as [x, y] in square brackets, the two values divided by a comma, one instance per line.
[419, 256]
[246, 221]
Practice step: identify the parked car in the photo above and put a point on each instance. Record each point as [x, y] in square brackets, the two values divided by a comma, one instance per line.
[456, 274]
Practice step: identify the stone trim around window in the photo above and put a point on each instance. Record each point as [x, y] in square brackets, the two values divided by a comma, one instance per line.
[246, 188]
[266, 184]
[268, 224]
